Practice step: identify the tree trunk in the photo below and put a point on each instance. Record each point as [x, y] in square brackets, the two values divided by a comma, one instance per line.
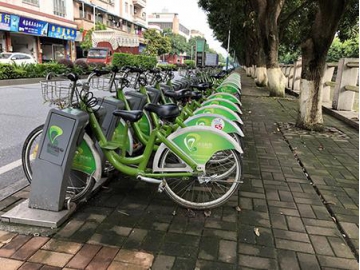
[314, 51]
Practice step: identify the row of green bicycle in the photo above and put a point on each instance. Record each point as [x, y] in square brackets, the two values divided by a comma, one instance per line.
[184, 135]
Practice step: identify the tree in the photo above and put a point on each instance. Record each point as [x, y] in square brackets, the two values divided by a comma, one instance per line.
[86, 43]
[314, 50]
[156, 44]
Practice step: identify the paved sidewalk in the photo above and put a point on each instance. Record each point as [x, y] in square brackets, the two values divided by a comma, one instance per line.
[297, 209]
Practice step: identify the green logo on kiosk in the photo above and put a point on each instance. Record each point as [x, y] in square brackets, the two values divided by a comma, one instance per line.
[54, 133]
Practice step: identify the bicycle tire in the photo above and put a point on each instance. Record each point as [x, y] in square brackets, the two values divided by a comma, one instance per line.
[192, 193]
[80, 183]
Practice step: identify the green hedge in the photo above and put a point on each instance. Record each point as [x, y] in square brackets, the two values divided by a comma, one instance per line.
[143, 61]
[190, 63]
[167, 66]
[11, 71]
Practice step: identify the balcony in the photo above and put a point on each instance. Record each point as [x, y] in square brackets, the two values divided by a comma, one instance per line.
[139, 20]
[140, 3]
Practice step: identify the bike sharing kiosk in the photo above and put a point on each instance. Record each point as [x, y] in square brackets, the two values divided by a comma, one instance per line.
[63, 130]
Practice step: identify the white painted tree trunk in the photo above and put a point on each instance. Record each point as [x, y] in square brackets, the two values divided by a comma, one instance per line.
[261, 76]
[248, 71]
[277, 82]
[309, 119]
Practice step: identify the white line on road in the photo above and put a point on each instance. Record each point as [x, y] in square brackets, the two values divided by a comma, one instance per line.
[10, 166]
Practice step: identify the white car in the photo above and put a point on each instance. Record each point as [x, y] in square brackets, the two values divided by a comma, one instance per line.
[16, 58]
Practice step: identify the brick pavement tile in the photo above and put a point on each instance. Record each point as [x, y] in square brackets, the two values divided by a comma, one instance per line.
[328, 223]
[62, 246]
[208, 248]
[288, 260]
[354, 218]
[51, 258]
[221, 225]
[17, 242]
[257, 250]
[48, 267]
[320, 212]
[30, 266]
[252, 195]
[230, 216]
[10, 263]
[272, 195]
[322, 231]
[102, 259]
[246, 203]
[286, 196]
[291, 205]
[84, 256]
[70, 228]
[135, 257]
[85, 232]
[107, 239]
[135, 239]
[278, 221]
[260, 205]
[174, 249]
[153, 240]
[212, 265]
[284, 211]
[220, 234]
[321, 245]
[295, 224]
[115, 265]
[227, 251]
[6, 237]
[338, 263]
[340, 248]
[351, 229]
[294, 246]
[289, 235]
[29, 248]
[164, 262]
[181, 239]
[183, 263]
[308, 261]
[257, 262]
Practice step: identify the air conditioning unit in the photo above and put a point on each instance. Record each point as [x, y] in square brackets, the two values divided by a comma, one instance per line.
[111, 2]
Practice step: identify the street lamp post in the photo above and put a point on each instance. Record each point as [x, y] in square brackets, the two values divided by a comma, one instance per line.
[228, 51]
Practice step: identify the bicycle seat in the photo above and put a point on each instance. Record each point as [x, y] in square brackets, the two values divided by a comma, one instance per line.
[132, 116]
[196, 95]
[165, 112]
[177, 95]
[202, 86]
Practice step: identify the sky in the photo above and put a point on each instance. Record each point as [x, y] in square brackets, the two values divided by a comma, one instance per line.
[190, 15]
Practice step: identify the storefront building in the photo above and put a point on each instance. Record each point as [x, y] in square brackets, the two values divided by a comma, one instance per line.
[45, 36]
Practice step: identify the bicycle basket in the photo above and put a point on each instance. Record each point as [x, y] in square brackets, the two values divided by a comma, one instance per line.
[56, 92]
[103, 83]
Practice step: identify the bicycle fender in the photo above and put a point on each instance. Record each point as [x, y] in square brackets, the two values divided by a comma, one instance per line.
[87, 158]
[228, 89]
[199, 143]
[214, 121]
[118, 136]
[223, 102]
[226, 96]
[221, 110]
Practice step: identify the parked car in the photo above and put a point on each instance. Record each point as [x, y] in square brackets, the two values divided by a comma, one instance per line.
[16, 58]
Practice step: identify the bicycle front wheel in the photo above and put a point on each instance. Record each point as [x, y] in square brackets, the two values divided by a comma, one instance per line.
[79, 183]
[220, 180]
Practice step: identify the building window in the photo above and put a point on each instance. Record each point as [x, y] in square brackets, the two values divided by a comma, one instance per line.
[59, 8]
[131, 10]
[126, 7]
[34, 2]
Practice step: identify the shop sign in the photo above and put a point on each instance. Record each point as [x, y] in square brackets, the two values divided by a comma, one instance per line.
[9, 22]
[33, 27]
[57, 31]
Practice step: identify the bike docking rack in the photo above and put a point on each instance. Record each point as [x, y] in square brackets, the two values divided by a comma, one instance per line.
[45, 207]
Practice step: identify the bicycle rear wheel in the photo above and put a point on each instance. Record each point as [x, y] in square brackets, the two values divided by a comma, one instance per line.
[214, 188]
[80, 183]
